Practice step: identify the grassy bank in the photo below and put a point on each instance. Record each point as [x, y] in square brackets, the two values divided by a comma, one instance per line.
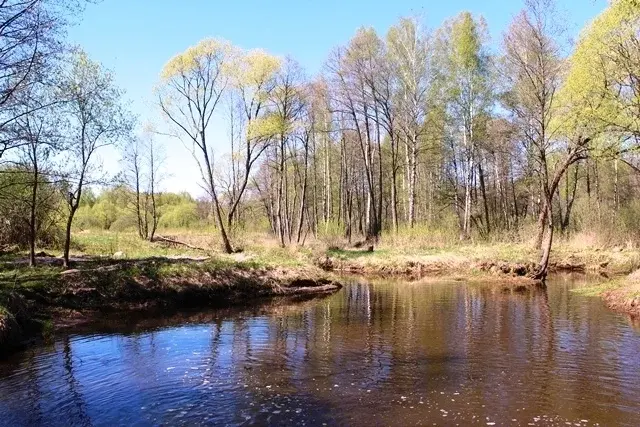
[621, 294]
[403, 255]
[45, 297]
[495, 259]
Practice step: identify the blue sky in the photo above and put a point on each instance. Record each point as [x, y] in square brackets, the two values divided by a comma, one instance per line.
[135, 38]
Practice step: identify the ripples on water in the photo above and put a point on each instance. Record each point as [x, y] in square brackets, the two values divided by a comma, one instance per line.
[407, 354]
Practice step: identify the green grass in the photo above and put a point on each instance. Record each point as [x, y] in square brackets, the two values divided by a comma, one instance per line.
[24, 276]
[105, 243]
[598, 290]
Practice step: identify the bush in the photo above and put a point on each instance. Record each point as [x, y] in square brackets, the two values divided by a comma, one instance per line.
[124, 223]
[331, 233]
[15, 208]
[184, 215]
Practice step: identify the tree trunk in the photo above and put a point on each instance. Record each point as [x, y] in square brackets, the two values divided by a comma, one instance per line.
[484, 198]
[543, 266]
[226, 244]
[303, 195]
[413, 165]
[542, 220]
[394, 185]
[279, 195]
[67, 237]
[32, 222]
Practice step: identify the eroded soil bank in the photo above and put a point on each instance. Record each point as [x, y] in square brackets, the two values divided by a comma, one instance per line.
[620, 294]
[619, 291]
[415, 268]
[35, 302]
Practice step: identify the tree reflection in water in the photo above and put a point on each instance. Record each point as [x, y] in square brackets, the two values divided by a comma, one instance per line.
[376, 352]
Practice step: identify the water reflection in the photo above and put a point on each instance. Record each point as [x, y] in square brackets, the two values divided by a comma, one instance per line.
[403, 353]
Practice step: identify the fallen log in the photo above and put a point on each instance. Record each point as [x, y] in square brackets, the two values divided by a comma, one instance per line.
[177, 242]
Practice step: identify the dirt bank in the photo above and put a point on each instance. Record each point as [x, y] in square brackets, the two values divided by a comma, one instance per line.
[436, 267]
[624, 295]
[55, 298]
[500, 265]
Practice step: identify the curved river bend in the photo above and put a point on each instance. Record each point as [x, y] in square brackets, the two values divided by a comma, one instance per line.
[372, 354]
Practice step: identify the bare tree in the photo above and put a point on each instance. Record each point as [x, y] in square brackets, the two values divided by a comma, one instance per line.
[143, 160]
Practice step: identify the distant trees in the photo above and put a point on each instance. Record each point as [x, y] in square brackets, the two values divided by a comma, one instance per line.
[143, 160]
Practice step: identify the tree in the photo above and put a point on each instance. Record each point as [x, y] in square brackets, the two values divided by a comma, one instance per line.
[411, 56]
[192, 85]
[287, 108]
[94, 118]
[467, 90]
[30, 33]
[40, 142]
[253, 80]
[354, 100]
[143, 160]
[534, 72]
[604, 71]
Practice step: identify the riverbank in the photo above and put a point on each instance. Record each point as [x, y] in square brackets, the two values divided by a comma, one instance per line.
[501, 261]
[621, 294]
[507, 266]
[37, 301]
[121, 273]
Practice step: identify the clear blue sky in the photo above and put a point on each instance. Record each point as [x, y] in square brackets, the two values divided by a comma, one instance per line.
[135, 38]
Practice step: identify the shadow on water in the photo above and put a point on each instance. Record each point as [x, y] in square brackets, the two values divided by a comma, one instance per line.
[377, 352]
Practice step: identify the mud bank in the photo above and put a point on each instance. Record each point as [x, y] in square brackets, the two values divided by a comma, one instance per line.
[36, 304]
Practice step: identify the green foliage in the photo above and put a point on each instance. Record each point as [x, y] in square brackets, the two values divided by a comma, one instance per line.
[15, 208]
[113, 210]
[183, 215]
[192, 59]
[600, 83]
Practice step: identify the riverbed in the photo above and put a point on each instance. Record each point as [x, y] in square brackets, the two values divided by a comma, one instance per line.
[374, 353]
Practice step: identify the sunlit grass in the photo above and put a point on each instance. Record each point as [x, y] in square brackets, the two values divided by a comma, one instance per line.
[598, 290]
[106, 243]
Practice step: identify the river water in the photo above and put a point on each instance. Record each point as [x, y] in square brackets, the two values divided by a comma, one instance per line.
[372, 354]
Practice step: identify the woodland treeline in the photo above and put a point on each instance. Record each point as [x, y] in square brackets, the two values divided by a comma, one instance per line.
[405, 133]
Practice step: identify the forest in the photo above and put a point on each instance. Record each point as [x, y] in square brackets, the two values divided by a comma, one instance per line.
[438, 136]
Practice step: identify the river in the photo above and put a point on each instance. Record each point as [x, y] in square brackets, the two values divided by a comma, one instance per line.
[375, 353]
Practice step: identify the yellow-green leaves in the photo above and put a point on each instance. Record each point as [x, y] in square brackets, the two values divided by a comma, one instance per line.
[408, 51]
[254, 68]
[465, 42]
[600, 82]
[195, 57]
[266, 127]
